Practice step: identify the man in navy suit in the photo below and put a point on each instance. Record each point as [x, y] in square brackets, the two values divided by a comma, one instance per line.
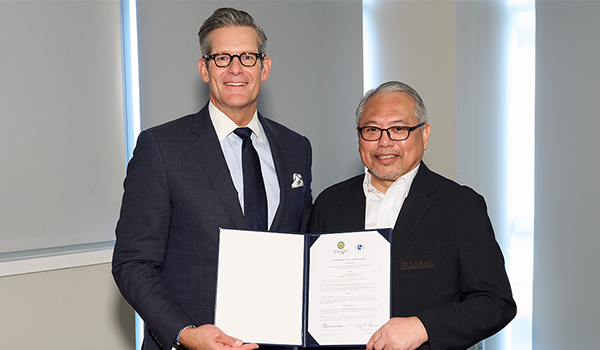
[449, 285]
[185, 181]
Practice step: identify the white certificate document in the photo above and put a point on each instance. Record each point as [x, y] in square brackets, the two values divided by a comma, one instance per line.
[303, 289]
[349, 287]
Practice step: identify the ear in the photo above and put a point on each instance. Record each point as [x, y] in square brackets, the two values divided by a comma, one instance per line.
[426, 132]
[203, 69]
[266, 68]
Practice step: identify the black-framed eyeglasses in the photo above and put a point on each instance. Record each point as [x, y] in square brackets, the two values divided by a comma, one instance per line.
[395, 133]
[247, 59]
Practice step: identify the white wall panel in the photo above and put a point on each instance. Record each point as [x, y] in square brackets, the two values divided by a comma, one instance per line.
[567, 191]
[61, 141]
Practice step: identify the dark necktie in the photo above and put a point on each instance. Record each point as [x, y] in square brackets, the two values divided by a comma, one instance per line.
[255, 197]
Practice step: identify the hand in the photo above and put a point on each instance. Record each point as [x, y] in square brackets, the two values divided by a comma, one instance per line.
[399, 333]
[210, 337]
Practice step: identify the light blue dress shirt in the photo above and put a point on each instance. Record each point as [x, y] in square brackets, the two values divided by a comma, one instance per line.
[231, 145]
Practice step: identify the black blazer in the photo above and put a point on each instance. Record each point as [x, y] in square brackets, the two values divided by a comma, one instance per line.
[447, 268]
[178, 193]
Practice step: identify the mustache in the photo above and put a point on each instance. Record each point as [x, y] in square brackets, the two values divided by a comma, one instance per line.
[394, 153]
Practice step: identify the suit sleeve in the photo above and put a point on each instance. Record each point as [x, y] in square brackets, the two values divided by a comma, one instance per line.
[485, 303]
[141, 242]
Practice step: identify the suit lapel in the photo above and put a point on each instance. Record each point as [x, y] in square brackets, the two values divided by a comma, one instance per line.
[413, 210]
[354, 216]
[209, 152]
[281, 168]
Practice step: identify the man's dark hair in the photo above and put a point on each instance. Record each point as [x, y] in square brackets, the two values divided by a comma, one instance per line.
[229, 17]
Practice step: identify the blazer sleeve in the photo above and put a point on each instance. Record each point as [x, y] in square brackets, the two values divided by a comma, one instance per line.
[141, 242]
[485, 302]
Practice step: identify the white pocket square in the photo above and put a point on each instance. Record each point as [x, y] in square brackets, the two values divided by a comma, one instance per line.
[297, 181]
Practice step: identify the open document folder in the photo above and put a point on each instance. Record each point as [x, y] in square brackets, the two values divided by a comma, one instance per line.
[303, 289]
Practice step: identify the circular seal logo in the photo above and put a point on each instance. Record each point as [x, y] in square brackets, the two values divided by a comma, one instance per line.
[359, 246]
[341, 245]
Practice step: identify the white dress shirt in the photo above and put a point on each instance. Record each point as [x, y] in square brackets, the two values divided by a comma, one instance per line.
[382, 209]
[231, 145]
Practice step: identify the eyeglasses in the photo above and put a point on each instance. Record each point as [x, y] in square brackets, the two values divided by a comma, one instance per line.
[395, 133]
[247, 59]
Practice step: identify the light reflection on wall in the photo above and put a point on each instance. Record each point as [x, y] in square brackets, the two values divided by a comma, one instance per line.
[520, 143]
[131, 101]
[131, 81]
[369, 46]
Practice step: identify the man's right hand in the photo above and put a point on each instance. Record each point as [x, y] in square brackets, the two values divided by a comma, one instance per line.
[210, 337]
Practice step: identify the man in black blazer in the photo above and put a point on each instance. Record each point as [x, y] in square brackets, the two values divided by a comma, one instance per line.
[449, 285]
[185, 181]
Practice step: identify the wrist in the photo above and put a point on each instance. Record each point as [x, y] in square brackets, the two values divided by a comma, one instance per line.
[177, 344]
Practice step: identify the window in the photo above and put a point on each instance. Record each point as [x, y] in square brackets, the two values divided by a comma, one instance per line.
[520, 143]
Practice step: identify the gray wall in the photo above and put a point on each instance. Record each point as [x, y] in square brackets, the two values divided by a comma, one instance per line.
[416, 44]
[481, 111]
[61, 141]
[567, 192]
[62, 162]
[78, 308]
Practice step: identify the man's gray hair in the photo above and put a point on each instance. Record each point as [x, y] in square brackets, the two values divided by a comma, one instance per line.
[229, 17]
[420, 112]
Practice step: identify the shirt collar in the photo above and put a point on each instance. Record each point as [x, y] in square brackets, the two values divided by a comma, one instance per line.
[225, 126]
[406, 180]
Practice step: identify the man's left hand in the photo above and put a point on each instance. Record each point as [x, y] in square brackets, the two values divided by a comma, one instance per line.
[399, 333]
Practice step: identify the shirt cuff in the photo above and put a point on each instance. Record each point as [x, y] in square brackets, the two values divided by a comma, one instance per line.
[176, 343]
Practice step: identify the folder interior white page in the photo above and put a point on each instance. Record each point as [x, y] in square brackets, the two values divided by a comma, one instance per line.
[260, 286]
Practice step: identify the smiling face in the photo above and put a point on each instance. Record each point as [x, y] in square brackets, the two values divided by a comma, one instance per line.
[234, 89]
[388, 160]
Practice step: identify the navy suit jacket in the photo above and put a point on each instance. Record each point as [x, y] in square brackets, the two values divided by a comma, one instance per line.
[447, 268]
[178, 193]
